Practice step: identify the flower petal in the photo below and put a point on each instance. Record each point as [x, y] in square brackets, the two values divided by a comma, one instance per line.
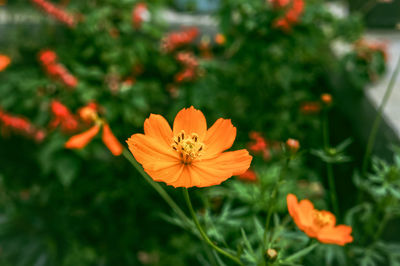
[191, 121]
[236, 162]
[193, 176]
[151, 153]
[301, 213]
[168, 174]
[111, 141]
[204, 173]
[184, 179]
[157, 127]
[339, 235]
[305, 218]
[81, 140]
[219, 137]
[292, 205]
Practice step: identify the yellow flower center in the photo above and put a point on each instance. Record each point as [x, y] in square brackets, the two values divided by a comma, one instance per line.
[322, 219]
[188, 146]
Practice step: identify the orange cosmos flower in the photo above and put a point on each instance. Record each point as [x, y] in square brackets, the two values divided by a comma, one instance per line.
[4, 62]
[79, 141]
[318, 224]
[189, 155]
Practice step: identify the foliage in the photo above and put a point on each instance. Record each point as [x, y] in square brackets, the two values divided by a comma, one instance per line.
[88, 207]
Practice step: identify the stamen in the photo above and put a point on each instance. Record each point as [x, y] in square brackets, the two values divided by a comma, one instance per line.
[322, 219]
[189, 148]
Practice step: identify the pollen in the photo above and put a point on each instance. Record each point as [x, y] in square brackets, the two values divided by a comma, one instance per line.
[188, 146]
[322, 219]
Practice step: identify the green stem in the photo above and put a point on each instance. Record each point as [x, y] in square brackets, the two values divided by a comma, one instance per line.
[382, 226]
[332, 189]
[157, 187]
[272, 200]
[329, 166]
[203, 234]
[378, 118]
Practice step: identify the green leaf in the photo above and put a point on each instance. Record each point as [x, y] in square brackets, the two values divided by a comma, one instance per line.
[301, 253]
[246, 242]
[67, 169]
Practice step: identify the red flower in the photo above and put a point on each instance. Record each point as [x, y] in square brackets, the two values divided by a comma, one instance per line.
[69, 80]
[20, 125]
[259, 145]
[48, 57]
[294, 9]
[63, 117]
[140, 13]
[189, 61]
[56, 12]
[248, 176]
[177, 39]
[279, 3]
[57, 71]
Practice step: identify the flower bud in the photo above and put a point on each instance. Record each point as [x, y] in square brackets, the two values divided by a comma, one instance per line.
[271, 254]
[326, 98]
[293, 145]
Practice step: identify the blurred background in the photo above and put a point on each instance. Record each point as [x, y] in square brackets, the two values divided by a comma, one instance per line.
[277, 68]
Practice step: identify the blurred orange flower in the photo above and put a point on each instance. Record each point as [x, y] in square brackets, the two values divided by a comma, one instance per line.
[326, 98]
[318, 224]
[4, 62]
[220, 39]
[188, 155]
[79, 141]
[310, 107]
